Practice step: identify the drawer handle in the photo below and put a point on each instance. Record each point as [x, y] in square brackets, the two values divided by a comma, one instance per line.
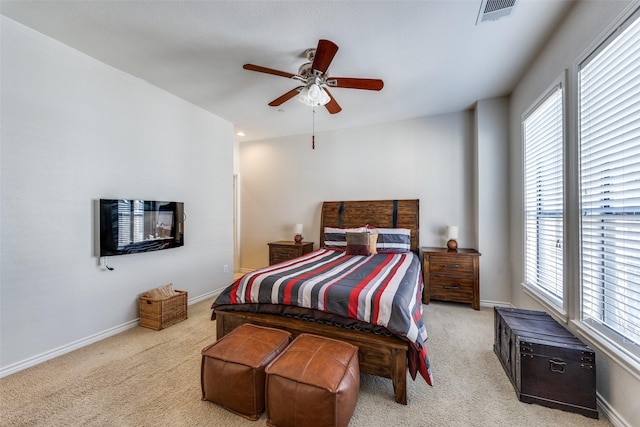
[452, 286]
[557, 366]
[451, 266]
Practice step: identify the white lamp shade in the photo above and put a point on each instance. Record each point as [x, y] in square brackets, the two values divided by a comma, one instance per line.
[313, 96]
[314, 92]
[452, 232]
[297, 229]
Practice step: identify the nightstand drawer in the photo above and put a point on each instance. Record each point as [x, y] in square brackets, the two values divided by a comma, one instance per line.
[459, 266]
[451, 288]
[283, 253]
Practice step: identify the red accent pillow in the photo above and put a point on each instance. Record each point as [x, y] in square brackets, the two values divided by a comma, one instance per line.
[358, 244]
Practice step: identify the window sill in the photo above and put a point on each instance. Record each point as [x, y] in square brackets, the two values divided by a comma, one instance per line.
[602, 343]
[549, 306]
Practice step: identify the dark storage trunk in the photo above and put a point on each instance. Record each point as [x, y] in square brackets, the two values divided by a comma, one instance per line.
[545, 362]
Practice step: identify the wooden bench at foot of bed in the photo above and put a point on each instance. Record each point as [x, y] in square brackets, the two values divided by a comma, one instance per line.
[378, 354]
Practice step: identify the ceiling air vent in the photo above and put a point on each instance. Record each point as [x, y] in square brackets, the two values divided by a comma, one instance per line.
[492, 10]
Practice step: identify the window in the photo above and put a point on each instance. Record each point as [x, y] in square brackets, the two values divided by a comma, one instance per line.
[543, 192]
[609, 141]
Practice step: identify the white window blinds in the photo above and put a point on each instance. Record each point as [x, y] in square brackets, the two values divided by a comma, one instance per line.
[544, 201]
[130, 222]
[124, 223]
[609, 131]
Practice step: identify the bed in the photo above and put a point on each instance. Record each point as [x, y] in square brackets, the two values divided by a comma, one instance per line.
[373, 302]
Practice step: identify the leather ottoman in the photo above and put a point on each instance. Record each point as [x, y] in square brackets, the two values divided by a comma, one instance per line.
[233, 368]
[314, 382]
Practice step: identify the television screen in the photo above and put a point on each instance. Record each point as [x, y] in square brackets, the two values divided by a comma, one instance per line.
[130, 226]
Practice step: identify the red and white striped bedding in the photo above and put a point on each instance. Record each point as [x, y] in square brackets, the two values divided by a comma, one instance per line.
[383, 290]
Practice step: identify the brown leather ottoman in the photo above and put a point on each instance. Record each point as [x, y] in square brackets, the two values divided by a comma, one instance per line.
[314, 382]
[232, 372]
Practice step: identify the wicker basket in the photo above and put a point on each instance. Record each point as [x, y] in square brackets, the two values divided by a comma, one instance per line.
[159, 313]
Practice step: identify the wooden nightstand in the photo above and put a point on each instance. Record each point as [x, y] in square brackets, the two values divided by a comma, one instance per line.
[451, 276]
[284, 250]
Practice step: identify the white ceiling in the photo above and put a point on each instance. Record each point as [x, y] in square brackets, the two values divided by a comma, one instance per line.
[432, 56]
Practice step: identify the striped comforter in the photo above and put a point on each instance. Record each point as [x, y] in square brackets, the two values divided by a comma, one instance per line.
[383, 289]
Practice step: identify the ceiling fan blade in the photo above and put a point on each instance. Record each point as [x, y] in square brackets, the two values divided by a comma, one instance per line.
[266, 70]
[325, 52]
[353, 83]
[332, 106]
[287, 96]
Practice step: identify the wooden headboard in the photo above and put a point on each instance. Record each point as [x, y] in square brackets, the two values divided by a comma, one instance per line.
[377, 213]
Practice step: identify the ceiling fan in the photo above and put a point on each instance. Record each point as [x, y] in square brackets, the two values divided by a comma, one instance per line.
[315, 79]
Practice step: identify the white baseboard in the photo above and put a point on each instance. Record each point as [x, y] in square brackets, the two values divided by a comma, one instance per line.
[52, 354]
[610, 413]
[203, 297]
[486, 303]
[68, 348]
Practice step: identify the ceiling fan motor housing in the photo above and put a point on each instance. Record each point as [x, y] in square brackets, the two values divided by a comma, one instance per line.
[310, 54]
[305, 69]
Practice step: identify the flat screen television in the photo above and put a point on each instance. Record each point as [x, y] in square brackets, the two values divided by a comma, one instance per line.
[130, 226]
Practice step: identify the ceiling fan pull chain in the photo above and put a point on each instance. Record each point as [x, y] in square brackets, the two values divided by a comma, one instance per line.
[313, 130]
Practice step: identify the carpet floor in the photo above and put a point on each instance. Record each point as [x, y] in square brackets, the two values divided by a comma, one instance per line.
[143, 377]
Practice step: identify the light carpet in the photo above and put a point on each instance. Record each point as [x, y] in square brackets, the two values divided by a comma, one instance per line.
[143, 377]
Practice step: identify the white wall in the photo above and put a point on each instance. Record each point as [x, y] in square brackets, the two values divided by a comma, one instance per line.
[75, 130]
[432, 159]
[618, 387]
[492, 196]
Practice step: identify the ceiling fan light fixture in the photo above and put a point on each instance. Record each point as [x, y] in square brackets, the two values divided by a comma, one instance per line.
[313, 96]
